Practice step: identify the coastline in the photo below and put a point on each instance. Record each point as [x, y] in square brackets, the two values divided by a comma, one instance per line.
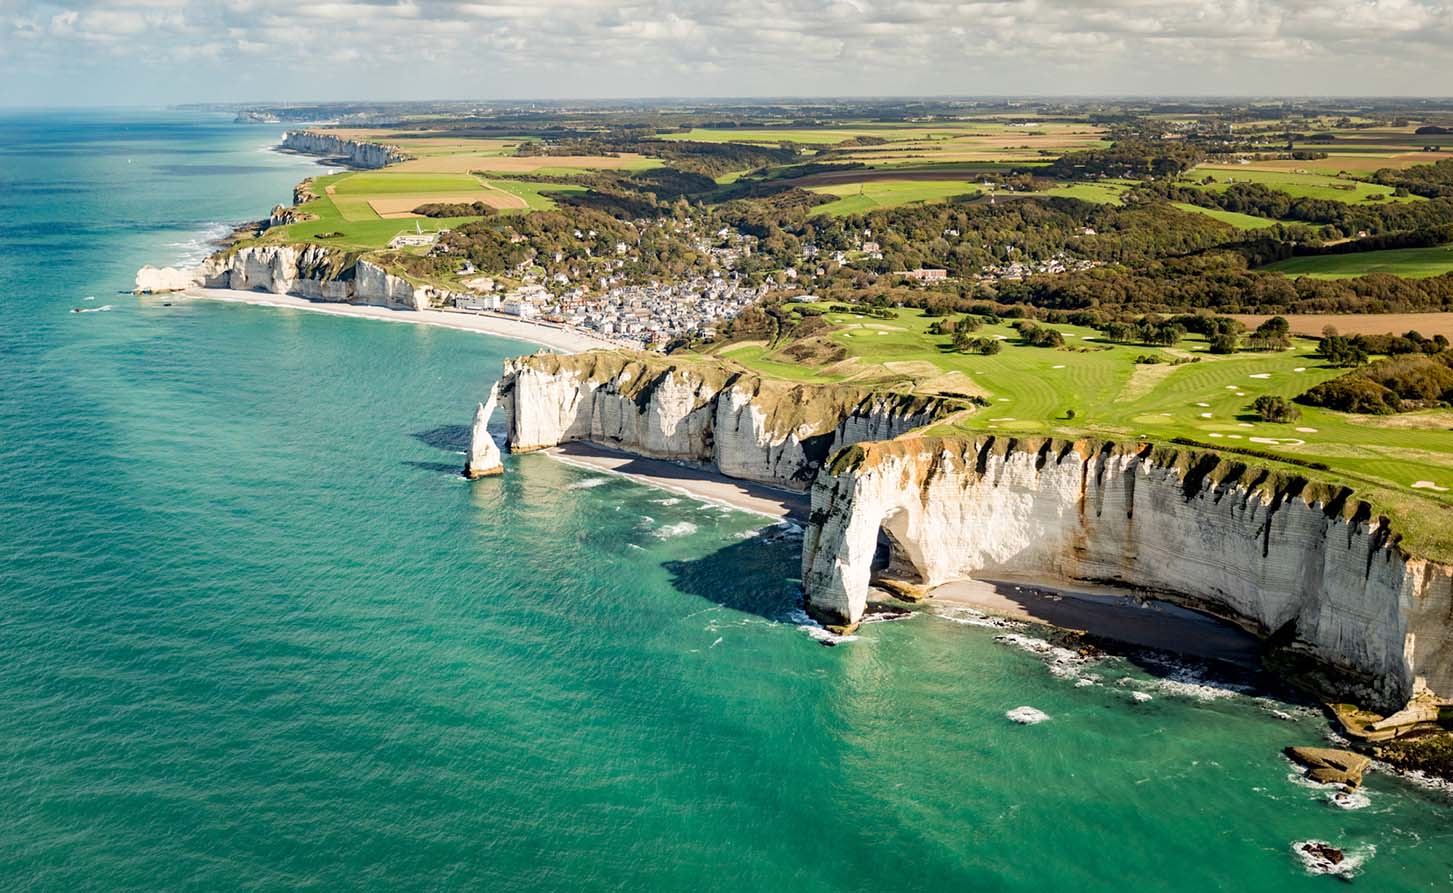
[559, 339]
[1104, 612]
[694, 483]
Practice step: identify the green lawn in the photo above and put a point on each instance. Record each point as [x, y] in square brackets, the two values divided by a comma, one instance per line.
[1414, 263]
[1030, 389]
[858, 198]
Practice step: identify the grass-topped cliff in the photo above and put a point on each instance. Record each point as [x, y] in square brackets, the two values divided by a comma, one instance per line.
[1184, 396]
[786, 406]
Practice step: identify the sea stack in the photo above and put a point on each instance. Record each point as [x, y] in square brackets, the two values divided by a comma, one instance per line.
[484, 458]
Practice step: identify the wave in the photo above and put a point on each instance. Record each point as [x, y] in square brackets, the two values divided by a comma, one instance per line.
[193, 250]
[1026, 716]
[680, 528]
[1317, 857]
[816, 630]
[587, 484]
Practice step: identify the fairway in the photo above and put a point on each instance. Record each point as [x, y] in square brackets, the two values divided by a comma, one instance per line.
[858, 198]
[1030, 391]
[1414, 263]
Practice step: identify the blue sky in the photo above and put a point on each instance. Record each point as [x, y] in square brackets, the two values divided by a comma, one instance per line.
[166, 51]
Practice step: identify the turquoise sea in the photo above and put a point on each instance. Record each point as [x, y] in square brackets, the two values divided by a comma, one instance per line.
[257, 633]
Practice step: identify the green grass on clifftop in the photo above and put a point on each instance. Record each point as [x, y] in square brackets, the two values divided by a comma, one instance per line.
[1031, 390]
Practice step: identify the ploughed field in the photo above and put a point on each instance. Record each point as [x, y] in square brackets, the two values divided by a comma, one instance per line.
[1206, 398]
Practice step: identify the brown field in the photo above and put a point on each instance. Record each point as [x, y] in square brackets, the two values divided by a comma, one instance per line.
[464, 163]
[399, 206]
[946, 172]
[1359, 163]
[1429, 324]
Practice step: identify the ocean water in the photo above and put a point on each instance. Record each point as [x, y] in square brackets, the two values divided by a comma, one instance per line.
[257, 633]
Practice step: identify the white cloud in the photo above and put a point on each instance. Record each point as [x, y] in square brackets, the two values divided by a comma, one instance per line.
[258, 49]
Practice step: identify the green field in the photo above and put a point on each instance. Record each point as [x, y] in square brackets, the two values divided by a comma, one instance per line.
[859, 198]
[1238, 220]
[1414, 263]
[347, 212]
[1095, 193]
[1306, 185]
[1030, 389]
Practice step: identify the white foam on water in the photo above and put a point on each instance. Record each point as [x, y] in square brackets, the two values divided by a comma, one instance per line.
[193, 250]
[680, 528]
[799, 618]
[587, 484]
[1140, 697]
[670, 500]
[1026, 716]
[102, 309]
[1354, 800]
[1352, 860]
[970, 617]
[1062, 662]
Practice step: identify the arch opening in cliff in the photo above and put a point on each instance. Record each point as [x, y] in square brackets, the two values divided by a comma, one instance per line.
[897, 560]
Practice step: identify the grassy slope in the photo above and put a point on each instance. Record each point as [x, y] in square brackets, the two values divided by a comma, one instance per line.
[1415, 263]
[858, 198]
[1240, 221]
[1030, 389]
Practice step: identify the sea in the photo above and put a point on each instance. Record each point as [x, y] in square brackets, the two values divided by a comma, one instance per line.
[257, 633]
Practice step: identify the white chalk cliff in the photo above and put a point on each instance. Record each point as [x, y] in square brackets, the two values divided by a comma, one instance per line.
[1304, 564]
[484, 457]
[357, 153]
[308, 271]
[701, 412]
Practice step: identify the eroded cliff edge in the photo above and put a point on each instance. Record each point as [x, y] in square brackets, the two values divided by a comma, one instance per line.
[699, 411]
[1306, 565]
[355, 153]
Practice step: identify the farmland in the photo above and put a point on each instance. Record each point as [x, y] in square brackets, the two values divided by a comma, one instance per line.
[858, 198]
[1414, 263]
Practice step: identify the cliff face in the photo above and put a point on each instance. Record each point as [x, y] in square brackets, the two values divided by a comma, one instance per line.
[355, 152]
[310, 271]
[698, 411]
[1298, 561]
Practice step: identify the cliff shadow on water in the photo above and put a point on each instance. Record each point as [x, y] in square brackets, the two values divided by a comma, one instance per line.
[450, 440]
[754, 575]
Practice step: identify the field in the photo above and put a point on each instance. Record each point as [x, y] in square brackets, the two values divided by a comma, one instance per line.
[1414, 263]
[1312, 324]
[945, 141]
[1238, 220]
[1031, 390]
[447, 152]
[366, 209]
[1298, 182]
[858, 198]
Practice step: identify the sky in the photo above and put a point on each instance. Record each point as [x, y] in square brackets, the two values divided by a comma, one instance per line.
[130, 52]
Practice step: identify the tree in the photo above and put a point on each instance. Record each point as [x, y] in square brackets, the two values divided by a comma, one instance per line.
[1272, 335]
[1340, 351]
[1224, 343]
[1271, 408]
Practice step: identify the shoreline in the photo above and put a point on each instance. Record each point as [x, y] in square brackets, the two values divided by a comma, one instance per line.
[683, 480]
[1104, 612]
[562, 340]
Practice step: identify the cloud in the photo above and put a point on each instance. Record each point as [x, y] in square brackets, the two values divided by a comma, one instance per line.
[390, 49]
